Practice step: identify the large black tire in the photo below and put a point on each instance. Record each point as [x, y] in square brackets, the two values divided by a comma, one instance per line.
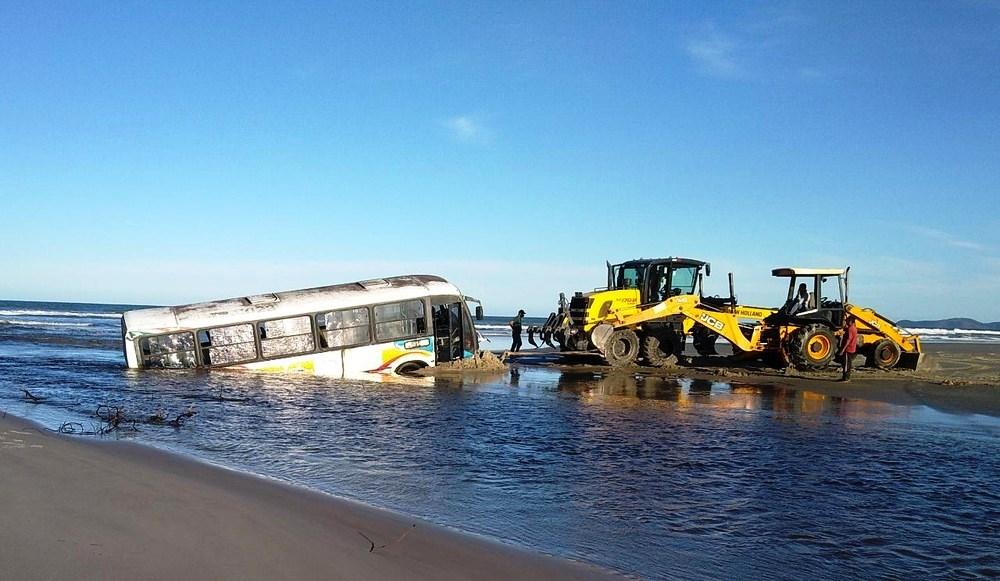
[884, 355]
[704, 340]
[622, 348]
[812, 347]
[662, 349]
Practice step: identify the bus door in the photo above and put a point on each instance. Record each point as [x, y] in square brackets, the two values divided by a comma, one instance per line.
[447, 329]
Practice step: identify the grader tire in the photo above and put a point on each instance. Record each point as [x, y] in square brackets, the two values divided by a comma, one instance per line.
[704, 341]
[885, 355]
[622, 348]
[662, 350]
[812, 347]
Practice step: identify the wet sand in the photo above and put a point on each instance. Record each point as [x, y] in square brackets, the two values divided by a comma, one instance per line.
[954, 377]
[85, 509]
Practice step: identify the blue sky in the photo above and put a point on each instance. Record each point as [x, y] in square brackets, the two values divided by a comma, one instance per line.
[174, 152]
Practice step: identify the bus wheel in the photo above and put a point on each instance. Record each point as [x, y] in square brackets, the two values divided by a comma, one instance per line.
[885, 355]
[410, 368]
[812, 347]
[662, 350]
[622, 348]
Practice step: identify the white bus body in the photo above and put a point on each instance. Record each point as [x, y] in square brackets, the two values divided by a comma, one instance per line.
[380, 326]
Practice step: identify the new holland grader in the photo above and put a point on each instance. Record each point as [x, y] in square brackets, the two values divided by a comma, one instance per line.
[634, 288]
[804, 332]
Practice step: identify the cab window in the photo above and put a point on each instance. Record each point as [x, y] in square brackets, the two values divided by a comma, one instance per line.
[683, 279]
[629, 277]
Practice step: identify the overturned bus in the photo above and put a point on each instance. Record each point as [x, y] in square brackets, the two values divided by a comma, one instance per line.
[394, 325]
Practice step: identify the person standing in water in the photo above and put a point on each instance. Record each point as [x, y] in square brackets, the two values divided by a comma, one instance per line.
[515, 331]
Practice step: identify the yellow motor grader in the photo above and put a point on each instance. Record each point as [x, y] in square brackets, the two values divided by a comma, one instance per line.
[804, 332]
[634, 288]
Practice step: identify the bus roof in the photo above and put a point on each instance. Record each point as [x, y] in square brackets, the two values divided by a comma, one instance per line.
[286, 303]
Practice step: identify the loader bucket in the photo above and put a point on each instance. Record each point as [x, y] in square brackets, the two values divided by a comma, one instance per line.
[910, 360]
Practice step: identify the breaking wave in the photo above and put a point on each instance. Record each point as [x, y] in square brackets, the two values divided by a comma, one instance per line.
[957, 335]
[29, 323]
[41, 313]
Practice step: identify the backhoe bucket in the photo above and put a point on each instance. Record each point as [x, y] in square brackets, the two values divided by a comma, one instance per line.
[910, 360]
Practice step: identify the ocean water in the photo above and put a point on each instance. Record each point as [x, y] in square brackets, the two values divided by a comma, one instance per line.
[654, 477]
[495, 332]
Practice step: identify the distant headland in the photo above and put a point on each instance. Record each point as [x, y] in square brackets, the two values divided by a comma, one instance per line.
[955, 323]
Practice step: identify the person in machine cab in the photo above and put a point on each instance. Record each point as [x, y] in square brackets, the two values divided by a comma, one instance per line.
[799, 302]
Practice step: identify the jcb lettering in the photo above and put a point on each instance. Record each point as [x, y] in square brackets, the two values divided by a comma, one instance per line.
[712, 322]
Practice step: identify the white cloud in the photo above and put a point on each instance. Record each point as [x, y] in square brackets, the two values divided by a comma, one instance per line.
[714, 53]
[760, 46]
[946, 238]
[468, 129]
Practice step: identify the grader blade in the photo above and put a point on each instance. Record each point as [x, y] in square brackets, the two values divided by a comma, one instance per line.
[599, 336]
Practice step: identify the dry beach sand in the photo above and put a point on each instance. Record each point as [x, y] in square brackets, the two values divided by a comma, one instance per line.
[83, 509]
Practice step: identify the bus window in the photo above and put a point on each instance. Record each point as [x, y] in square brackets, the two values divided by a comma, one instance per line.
[226, 345]
[399, 320]
[168, 351]
[285, 337]
[343, 328]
